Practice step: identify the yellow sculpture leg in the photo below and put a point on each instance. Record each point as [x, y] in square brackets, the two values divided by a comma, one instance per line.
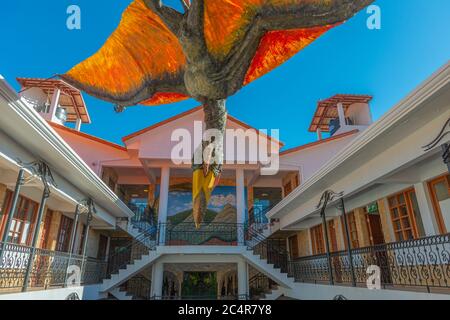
[202, 188]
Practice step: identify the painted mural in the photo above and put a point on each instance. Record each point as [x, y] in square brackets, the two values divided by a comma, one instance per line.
[221, 209]
[219, 223]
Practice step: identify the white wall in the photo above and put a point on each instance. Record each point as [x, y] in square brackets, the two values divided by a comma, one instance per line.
[306, 291]
[92, 152]
[360, 114]
[313, 158]
[85, 293]
[157, 144]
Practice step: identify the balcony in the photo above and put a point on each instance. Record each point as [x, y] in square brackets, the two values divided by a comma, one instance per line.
[421, 264]
[212, 234]
[49, 269]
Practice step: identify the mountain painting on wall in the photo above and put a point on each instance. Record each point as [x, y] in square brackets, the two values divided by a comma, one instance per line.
[219, 223]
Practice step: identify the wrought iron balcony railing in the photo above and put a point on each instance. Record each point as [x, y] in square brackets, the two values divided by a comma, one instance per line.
[414, 263]
[209, 234]
[49, 268]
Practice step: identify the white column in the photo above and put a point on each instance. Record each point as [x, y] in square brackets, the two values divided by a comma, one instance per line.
[242, 279]
[319, 134]
[240, 203]
[426, 209]
[163, 202]
[78, 124]
[54, 105]
[157, 280]
[341, 113]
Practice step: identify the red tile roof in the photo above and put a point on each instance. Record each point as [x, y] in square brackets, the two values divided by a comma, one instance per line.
[319, 142]
[71, 98]
[327, 109]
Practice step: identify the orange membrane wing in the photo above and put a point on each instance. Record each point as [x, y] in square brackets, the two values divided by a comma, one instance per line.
[160, 98]
[140, 60]
[277, 47]
[226, 23]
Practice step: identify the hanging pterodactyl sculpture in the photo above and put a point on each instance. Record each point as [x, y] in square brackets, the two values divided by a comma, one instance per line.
[158, 55]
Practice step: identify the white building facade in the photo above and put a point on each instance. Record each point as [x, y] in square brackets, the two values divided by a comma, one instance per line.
[122, 214]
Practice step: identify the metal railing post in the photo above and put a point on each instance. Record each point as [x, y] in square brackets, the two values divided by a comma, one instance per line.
[327, 196]
[36, 230]
[327, 245]
[349, 244]
[12, 210]
[74, 229]
[86, 237]
[72, 240]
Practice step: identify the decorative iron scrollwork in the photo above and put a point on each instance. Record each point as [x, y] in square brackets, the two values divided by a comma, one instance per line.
[327, 197]
[73, 296]
[442, 134]
[42, 170]
[421, 262]
[445, 131]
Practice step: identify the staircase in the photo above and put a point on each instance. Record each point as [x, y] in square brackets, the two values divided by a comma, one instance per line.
[140, 253]
[261, 286]
[269, 257]
[129, 271]
[270, 270]
[273, 295]
[136, 288]
[120, 294]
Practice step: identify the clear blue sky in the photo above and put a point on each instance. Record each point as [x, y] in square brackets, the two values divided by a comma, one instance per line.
[414, 41]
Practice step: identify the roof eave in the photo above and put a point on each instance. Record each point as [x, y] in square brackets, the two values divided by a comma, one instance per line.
[41, 128]
[410, 103]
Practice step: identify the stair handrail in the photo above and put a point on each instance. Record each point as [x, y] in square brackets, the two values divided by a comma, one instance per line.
[138, 246]
[260, 212]
[260, 284]
[261, 245]
[144, 218]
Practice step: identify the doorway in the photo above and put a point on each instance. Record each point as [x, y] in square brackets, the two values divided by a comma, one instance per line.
[440, 195]
[375, 228]
[199, 285]
[264, 199]
[376, 237]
